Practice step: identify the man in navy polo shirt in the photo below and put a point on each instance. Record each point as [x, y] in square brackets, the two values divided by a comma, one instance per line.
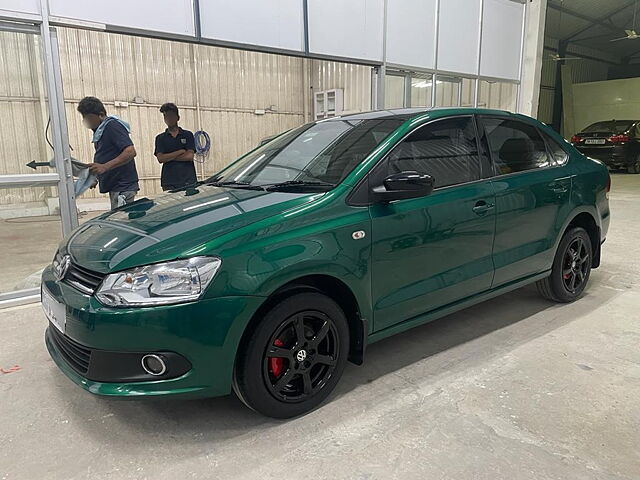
[174, 150]
[113, 161]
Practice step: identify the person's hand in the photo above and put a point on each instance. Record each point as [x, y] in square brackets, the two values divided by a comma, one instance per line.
[97, 168]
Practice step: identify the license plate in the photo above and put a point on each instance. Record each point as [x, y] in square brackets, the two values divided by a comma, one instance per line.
[595, 141]
[54, 310]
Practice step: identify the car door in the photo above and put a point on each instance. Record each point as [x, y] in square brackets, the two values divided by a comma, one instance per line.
[431, 251]
[532, 189]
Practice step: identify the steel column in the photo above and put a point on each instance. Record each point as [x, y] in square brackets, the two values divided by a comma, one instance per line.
[60, 135]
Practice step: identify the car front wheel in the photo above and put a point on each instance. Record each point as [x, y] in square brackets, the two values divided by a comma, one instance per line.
[295, 356]
[571, 268]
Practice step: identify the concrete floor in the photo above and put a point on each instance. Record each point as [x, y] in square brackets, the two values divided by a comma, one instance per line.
[514, 388]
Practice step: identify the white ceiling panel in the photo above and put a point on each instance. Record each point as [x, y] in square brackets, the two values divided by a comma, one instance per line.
[167, 16]
[501, 39]
[346, 28]
[271, 23]
[411, 32]
[458, 34]
[21, 6]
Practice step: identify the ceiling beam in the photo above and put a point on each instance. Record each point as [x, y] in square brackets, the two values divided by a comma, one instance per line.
[603, 21]
[581, 55]
[593, 37]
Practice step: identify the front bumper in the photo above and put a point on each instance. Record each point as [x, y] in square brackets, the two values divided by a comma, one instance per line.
[205, 334]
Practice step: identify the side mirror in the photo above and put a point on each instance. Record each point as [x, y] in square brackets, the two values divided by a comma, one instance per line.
[403, 185]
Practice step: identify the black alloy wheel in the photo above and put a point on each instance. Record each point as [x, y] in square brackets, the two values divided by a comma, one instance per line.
[571, 267]
[301, 356]
[576, 265]
[294, 357]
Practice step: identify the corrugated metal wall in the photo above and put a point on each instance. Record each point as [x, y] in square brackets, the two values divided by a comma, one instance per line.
[225, 85]
[354, 79]
[217, 90]
[22, 113]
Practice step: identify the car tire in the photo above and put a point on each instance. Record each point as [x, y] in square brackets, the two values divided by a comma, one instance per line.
[294, 357]
[571, 268]
[635, 167]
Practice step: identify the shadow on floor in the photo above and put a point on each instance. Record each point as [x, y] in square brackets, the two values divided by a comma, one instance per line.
[509, 319]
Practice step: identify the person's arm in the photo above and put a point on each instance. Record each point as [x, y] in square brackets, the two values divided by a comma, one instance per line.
[125, 156]
[185, 156]
[189, 149]
[167, 157]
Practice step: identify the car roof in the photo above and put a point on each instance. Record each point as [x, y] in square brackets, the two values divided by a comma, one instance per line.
[409, 113]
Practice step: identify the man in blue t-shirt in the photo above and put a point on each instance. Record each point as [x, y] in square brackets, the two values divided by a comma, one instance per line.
[174, 149]
[113, 161]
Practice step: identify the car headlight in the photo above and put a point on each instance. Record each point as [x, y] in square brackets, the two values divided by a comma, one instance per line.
[159, 284]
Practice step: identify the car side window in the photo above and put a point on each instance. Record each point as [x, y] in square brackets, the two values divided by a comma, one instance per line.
[559, 156]
[515, 146]
[445, 149]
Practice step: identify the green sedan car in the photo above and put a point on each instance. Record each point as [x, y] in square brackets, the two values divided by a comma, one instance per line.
[268, 277]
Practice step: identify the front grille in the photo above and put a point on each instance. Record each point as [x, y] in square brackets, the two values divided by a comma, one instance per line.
[82, 279]
[76, 355]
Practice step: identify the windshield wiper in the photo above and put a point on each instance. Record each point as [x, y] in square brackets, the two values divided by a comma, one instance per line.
[297, 183]
[231, 184]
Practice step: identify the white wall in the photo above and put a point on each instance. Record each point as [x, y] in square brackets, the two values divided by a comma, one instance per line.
[612, 99]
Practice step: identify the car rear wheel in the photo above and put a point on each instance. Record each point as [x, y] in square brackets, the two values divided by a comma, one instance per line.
[294, 358]
[571, 268]
[635, 167]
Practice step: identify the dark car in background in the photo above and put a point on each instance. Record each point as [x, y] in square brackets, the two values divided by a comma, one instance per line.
[614, 142]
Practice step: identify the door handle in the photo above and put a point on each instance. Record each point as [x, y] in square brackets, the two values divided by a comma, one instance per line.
[558, 187]
[481, 207]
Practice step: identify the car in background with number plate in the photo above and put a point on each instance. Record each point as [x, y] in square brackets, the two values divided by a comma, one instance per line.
[614, 142]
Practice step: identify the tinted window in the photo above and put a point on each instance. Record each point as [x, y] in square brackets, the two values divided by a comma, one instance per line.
[611, 126]
[558, 155]
[320, 152]
[515, 146]
[445, 149]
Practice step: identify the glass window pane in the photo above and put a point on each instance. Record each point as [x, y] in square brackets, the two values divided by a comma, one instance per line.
[446, 150]
[30, 226]
[447, 91]
[558, 155]
[321, 152]
[498, 95]
[515, 146]
[421, 87]
[393, 91]
[468, 92]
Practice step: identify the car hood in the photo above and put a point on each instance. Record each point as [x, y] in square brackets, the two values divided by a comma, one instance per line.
[172, 226]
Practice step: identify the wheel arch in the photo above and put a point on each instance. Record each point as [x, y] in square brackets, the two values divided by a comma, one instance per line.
[333, 288]
[587, 220]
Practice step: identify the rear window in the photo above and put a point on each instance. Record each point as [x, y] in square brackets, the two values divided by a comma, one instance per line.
[613, 126]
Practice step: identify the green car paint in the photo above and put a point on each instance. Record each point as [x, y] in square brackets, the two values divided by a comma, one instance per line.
[419, 259]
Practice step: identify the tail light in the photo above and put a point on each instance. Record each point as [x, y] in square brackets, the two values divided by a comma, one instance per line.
[576, 139]
[619, 138]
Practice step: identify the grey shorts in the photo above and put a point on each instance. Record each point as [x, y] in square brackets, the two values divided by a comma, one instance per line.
[119, 199]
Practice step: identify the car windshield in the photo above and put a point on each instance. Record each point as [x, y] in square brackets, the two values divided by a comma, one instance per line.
[316, 155]
[614, 126]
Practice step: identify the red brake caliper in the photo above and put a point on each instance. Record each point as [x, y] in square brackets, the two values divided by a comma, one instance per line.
[568, 275]
[276, 364]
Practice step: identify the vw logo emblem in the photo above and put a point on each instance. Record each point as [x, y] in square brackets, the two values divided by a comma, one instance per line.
[60, 268]
[301, 356]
